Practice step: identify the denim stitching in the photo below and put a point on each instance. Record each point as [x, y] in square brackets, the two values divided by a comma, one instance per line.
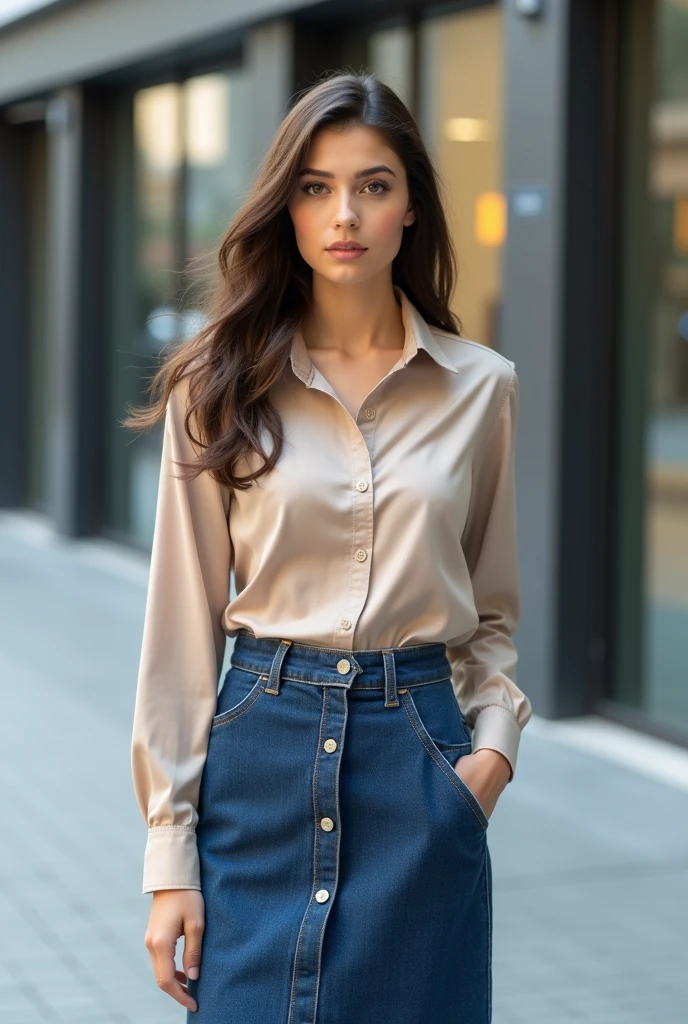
[308, 910]
[323, 719]
[244, 704]
[320, 682]
[412, 713]
[339, 833]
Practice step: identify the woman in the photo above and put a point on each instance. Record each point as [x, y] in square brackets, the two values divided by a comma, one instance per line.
[317, 832]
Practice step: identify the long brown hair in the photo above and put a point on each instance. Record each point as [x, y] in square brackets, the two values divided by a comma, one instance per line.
[264, 284]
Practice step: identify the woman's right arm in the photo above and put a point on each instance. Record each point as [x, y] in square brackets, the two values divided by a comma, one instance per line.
[176, 697]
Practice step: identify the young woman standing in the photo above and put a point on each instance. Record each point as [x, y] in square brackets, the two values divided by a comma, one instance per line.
[317, 831]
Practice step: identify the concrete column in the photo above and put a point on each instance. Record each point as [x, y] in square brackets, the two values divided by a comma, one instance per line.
[535, 134]
[269, 62]
[64, 127]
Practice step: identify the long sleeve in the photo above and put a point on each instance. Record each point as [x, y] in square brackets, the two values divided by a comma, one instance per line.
[181, 657]
[484, 666]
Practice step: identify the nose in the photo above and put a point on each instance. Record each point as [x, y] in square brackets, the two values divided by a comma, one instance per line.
[345, 213]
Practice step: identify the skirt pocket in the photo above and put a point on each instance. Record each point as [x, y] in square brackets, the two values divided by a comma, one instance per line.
[240, 691]
[441, 728]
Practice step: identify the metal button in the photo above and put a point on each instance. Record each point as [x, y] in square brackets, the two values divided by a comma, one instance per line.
[362, 485]
[330, 745]
[346, 623]
[361, 555]
[322, 895]
[326, 824]
[370, 414]
[343, 666]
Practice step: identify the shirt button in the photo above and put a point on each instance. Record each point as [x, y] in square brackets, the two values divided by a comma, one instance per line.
[322, 895]
[346, 623]
[326, 824]
[370, 414]
[361, 555]
[362, 485]
[330, 745]
[343, 666]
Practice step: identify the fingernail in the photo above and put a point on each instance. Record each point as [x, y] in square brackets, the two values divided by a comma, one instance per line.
[192, 973]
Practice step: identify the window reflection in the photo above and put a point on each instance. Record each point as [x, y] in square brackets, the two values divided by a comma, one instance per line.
[190, 168]
[461, 120]
[665, 689]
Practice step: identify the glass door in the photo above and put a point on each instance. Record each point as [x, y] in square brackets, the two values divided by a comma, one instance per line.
[450, 67]
[460, 88]
[652, 559]
[184, 167]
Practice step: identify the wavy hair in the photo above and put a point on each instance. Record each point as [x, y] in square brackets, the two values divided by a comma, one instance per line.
[263, 284]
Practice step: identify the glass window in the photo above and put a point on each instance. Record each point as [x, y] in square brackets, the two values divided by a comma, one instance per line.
[390, 56]
[187, 168]
[652, 660]
[461, 119]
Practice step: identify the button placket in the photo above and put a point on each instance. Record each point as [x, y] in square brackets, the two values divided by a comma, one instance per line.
[362, 534]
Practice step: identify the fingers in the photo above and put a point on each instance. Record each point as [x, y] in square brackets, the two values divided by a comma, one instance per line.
[166, 974]
[193, 935]
[161, 939]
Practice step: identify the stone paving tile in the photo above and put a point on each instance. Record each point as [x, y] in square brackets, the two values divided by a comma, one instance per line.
[590, 861]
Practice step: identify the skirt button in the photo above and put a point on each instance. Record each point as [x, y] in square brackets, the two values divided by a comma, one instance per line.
[343, 666]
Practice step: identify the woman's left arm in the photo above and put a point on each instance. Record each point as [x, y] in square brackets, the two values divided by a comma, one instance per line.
[484, 666]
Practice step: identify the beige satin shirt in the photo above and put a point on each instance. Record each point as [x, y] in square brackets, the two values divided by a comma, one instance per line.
[398, 527]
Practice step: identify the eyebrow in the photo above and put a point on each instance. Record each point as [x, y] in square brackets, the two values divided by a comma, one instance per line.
[359, 174]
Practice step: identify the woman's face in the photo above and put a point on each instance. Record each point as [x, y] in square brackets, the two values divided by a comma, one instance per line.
[353, 188]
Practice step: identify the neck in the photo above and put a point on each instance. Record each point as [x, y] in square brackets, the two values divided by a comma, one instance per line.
[353, 318]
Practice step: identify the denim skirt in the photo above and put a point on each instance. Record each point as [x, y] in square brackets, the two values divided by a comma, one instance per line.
[344, 863]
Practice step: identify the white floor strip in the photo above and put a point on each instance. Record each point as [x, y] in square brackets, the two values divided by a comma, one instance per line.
[592, 734]
[29, 526]
[32, 528]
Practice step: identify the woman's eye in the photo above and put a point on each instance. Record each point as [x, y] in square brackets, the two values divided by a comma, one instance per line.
[383, 187]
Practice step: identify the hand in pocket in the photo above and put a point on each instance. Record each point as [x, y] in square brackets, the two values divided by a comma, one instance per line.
[486, 773]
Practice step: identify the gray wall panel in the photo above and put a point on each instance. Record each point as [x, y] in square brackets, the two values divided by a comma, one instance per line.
[95, 37]
[535, 102]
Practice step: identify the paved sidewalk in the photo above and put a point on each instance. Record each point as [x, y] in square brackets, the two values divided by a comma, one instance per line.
[590, 858]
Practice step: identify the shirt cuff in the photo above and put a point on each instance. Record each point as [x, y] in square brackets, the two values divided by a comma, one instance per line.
[171, 859]
[496, 728]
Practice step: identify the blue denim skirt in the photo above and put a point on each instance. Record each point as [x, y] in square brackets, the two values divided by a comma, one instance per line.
[344, 863]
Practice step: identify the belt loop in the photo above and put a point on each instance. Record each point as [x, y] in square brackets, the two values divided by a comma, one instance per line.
[274, 679]
[391, 699]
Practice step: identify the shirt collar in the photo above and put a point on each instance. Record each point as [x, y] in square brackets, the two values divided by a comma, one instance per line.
[418, 334]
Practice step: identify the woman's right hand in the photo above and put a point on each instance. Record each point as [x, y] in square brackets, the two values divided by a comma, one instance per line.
[176, 912]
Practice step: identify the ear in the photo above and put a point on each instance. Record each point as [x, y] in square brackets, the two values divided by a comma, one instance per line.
[410, 216]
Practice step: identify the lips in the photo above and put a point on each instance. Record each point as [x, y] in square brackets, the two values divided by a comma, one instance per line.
[345, 246]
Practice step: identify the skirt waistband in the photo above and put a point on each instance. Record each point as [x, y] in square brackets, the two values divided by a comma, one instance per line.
[278, 659]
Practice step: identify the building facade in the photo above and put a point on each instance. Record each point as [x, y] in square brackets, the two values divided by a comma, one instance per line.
[129, 132]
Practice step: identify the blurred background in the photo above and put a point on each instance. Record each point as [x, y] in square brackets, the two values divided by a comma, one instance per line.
[129, 133]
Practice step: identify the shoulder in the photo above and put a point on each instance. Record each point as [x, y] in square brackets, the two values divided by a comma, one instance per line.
[185, 430]
[466, 353]
[480, 367]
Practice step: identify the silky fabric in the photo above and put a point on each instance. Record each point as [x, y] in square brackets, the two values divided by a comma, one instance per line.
[391, 528]
[343, 862]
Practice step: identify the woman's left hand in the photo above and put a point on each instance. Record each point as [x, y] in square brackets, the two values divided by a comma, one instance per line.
[486, 773]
